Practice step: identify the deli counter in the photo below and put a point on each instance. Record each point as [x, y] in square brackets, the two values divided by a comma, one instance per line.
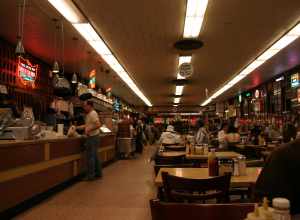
[31, 167]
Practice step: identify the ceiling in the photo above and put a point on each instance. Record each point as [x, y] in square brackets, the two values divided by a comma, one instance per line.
[142, 33]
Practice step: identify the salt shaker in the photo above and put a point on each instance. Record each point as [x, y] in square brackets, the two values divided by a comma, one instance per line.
[236, 167]
[242, 165]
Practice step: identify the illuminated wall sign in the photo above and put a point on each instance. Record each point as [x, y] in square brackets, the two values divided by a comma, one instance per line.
[295, 80]
[92, 80]
[26, 72]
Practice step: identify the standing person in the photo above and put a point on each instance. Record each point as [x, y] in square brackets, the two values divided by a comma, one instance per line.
[139, 137]
[91, 130]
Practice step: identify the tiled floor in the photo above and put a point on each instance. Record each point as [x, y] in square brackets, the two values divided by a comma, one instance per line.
[123, 194]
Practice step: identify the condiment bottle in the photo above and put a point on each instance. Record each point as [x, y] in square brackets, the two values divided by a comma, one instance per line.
[242, 166]
[236, 170]
[281, 208]
[213, 164]
[254, 215]
[265, 209]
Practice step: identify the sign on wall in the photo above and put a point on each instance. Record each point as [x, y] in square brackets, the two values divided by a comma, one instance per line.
[27, 72]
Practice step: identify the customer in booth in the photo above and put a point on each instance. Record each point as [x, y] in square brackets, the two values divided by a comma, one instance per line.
[91, 130]
[280, 175]
[169, 137]
[202, 135]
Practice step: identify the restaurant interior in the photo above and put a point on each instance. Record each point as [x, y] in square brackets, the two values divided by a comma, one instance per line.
[140, 110]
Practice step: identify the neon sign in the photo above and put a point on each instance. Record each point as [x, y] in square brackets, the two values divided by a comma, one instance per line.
[92, 81]
[26, 72]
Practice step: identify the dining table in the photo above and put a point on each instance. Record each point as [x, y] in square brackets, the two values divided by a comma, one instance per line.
[219, 155]
[247, 180]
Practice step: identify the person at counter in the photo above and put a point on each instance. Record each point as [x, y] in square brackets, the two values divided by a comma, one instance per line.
[280, 176]
[91, 130]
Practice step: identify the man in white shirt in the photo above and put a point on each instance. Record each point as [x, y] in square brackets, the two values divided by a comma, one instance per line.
[91, 130]
[169, 137]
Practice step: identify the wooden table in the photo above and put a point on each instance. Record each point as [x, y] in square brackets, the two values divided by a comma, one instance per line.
[171, 153]
[220, 155]
[254, 146]
[202, 173]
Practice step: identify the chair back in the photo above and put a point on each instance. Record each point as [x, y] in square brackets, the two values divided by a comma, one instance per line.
[179, 189]
[177, 148]
[178, 211]
[161, 160]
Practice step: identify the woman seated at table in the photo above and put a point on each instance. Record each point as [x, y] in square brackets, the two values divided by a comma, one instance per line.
[222, 136]
[202, 136]
[170, 137]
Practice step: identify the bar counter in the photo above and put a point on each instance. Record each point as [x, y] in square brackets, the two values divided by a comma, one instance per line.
[31, 167]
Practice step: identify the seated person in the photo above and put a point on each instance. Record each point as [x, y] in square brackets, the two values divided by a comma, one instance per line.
[202, 135]
[222, 136]
[169, 137]
[280, 176]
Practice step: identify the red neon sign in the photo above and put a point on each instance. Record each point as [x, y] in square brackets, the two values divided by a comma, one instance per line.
[26, 72]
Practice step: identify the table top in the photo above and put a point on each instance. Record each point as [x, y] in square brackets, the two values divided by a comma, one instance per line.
[175, 146]
[220, 155]
[202, 173]
[171, 153]
[250, 146]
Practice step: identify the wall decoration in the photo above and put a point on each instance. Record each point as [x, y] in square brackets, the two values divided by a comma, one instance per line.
[27, 73]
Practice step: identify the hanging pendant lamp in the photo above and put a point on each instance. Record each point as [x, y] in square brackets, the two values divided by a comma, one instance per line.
[20, 48]
[74, 78]
[55, 68]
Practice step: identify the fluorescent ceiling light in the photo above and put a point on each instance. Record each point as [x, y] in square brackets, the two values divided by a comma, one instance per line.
[280, 79]
[68, 10]
[280, 44]
[183, 59]
[194, 16]
[179, 90]
[175, 105]
[73, 15]
[176, 100]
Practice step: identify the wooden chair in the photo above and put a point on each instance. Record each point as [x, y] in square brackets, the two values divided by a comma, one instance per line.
[179, 189]
[170, 148]
[178, 211]
[161, 160]
[157, 167]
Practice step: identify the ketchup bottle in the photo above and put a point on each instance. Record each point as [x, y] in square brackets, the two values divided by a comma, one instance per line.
[213, 163]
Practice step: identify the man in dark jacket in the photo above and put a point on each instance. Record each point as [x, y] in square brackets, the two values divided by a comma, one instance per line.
[281, 175]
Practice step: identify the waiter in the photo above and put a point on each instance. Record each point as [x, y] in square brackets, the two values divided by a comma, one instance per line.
[91, 130]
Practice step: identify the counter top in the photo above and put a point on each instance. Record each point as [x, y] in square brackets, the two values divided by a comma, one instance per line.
[8, 143]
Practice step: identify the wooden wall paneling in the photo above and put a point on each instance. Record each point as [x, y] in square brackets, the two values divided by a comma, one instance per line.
[21, 155]
[33, 184]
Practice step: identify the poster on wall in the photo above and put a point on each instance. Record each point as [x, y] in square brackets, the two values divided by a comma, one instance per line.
[27, 73]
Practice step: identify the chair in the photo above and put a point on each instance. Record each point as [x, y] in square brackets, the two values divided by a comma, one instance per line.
[170, 148]
[157, 167]
[161, 160]
[178, 211]
[179, 189]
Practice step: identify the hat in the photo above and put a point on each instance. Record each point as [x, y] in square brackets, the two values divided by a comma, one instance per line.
[170, 128]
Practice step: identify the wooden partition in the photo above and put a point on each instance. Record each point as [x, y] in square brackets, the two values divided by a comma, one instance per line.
[29, 168]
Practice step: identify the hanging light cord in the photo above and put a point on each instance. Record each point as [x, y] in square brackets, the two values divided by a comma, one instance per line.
[63, 47]
[23, 16]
